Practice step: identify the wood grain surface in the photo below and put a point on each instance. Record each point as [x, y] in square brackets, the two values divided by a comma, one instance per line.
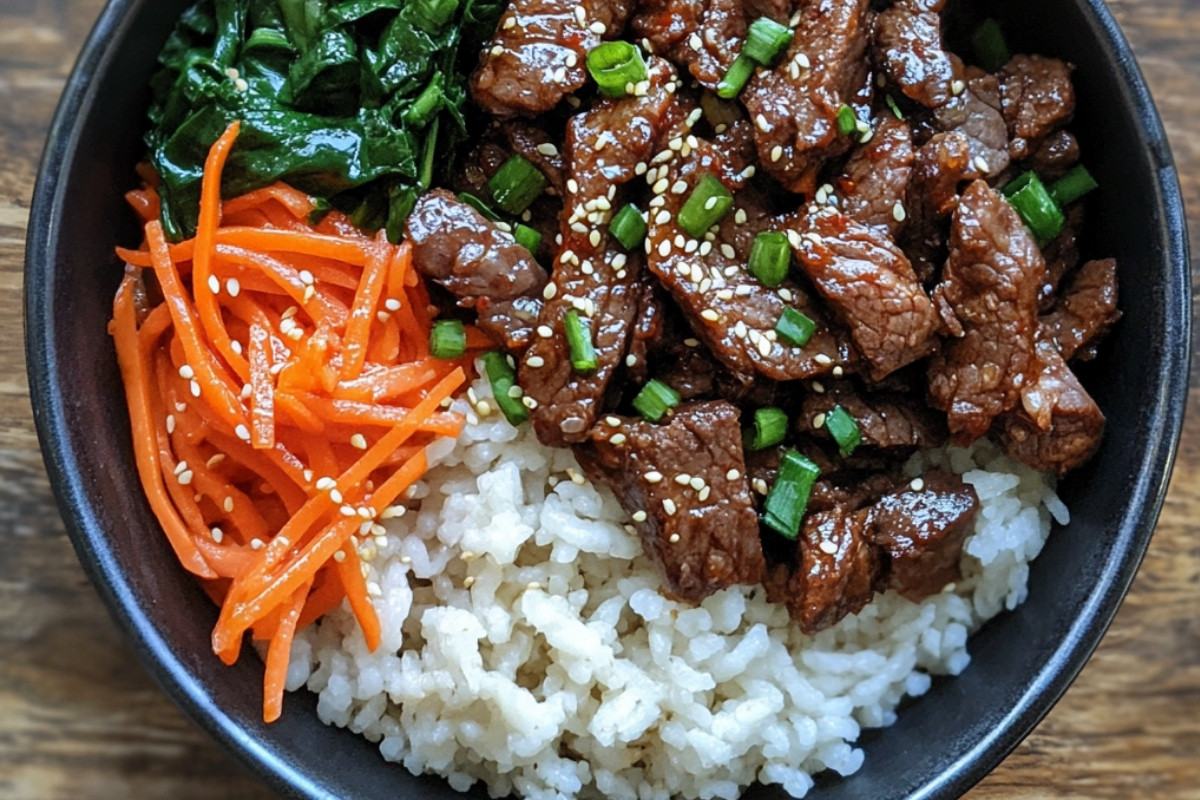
[80, 719]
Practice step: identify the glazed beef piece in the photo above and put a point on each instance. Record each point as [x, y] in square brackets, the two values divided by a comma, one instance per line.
[908, 48]
[536, 57]
[703, 36]
[897, 423]
[1058, 425]
[939, 166]
[683, 482]
[1062, 256]
[1086, 310]
[482, 266]
[1057, 153]
[728, 309]
[988, 300]
[1037, 98]
[837, 570]
[977, 112]
[921, 528]
[593, 275]
[794, 106]
[876, 177]
[871, 287]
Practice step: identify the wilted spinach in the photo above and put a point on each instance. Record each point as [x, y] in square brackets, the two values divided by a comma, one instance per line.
[356, 102]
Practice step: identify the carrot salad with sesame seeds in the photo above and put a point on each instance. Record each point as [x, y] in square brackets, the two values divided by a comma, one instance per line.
[282, 385]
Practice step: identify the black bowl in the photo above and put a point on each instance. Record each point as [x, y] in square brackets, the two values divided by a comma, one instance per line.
[943, 743]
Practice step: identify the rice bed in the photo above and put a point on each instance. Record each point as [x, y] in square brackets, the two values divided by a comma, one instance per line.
[525, 643]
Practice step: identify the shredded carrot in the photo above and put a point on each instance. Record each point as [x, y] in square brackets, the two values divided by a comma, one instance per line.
[283, 378]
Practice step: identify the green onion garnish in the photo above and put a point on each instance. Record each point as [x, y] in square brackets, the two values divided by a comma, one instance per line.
[788, 498]
[1037, 208]
[504, 387]
[770, 426]
[795, 327]
[847, 121]
[655, 399]
[766, 40]
[770, 257]
[616, 67]
[705, 206]
[516, 184]
[895, 108]
[628, 227]
[527, 237]
[480, 206]
[844, 430]
[990, 48]
[448, 339]
[1072, 186]
[735, 77]
[579, 343]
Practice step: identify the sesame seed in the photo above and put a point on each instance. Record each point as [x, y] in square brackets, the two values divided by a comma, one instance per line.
[802, 60]
[326, 483]
[227, 505]
[529, 402]
[762, 123]
[348, 511]
[618, 439]
[818, 421]
[214, 285]
[669, 507]
[828, 547]
[497, 51]
[818, 387]
[710, 315]
[547, 149]
[764, 347]
[695, 43]
[572, 186]
[242, 432]
[214, 459]
[309, 293]
[185, 477]
[545, 331]
[776, 153]
[533, 586]
[217, 535]
[535, 362]
[358, 441]
[638, 516]
[664, 248]
[580, 16]
[683, 478]
[917, 484]
[630, 360]
[697, 483]
[594, 238]
[170, 423]
[307, 278]
[186, 372]
[335, 495]
[980, 164]
[704, 493]
[194, 388]
[679, 187]
[571, 60]
[728, 251]
[674, 538]
[393, 512]
[898, 212]
[510, 22]
[957, 87]
[760, 485]
[653, 476]
[837, 372]
[822, 359]
[749, 172]
[181, 467]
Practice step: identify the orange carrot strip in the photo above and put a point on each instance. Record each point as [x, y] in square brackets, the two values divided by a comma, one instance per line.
[262, 391]
[355, 585]
[298, 204]
[326, 595]
[349, 251]
[383, 383]
[279, 653]
[137, 387]
[366, 300]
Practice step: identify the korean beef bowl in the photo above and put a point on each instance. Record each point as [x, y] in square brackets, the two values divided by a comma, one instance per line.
[654, 399]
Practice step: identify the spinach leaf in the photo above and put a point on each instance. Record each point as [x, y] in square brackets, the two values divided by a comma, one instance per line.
[356, 102]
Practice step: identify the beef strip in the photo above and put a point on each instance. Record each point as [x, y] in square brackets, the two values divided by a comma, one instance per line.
[921, 527]
[536, 57]
[482, 266]
[876, 177]
[1057, 153]
[988, 300]
[703, 36]
[908, 47]
[593, 275]
[684, 484]
[1058, 425]
[1086, 310]
[1062, 256]
[729, 309]
[1037, 98]
[837, 570]
[939, 166]
[871, 287]
[894, 422]
[795, 104]
[976, 112]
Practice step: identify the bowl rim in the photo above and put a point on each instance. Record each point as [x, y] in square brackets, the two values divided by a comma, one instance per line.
[1166, 413]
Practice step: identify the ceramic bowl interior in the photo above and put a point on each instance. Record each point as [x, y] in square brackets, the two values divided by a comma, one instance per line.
[943, 742]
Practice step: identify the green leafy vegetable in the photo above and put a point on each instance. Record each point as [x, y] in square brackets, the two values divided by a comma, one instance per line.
[348, 100]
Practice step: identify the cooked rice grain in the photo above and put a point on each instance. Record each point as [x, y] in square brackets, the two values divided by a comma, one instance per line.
[562, 672]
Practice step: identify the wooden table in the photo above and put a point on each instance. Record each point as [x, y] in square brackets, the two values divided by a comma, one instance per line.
[80, 719]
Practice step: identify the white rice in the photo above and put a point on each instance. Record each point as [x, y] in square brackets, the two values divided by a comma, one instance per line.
[562, 672]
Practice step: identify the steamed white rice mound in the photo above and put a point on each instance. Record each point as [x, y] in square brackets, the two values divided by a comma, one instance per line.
[526, 645]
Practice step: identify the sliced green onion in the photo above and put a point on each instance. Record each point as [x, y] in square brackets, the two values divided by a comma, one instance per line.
[579, 343]
[480, 206]
[655, 399]
[766, 40]
[770, 426]
[895, 108]
[628, 227]
[1072, 186]
[990, 48]
[735, 77]
[448, 339]
[1037, 208]
[844, 430]
[788, 498]
[516, 184]
[527, 237]
[705, 206]
[847, 121]
[616, 67]
[795, 327]
[504, 387]
[770, 257]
